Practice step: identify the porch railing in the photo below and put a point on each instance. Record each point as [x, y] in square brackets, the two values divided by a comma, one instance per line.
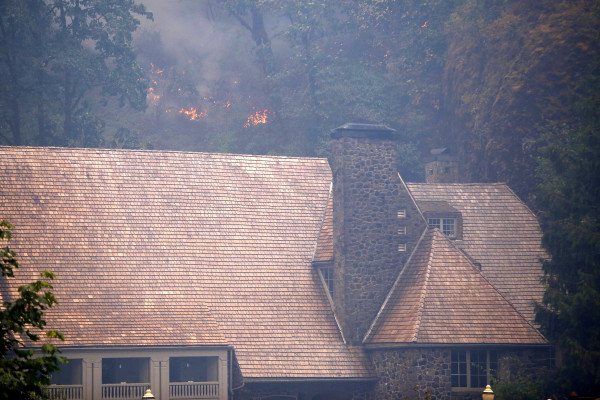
[124, 391]
[193, 390]
[65, 392]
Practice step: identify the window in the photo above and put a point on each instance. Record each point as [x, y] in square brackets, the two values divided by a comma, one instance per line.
[473, 368]
[402, 213]
[402, 247]
[327, 273]
[402, 230]
[193, 369]
[69, 374]
[446, 225]
[125, 370]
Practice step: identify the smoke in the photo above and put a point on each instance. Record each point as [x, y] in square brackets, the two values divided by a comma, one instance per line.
[197, 36]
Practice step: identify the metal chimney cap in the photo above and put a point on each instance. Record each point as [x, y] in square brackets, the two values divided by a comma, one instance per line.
[356, 130]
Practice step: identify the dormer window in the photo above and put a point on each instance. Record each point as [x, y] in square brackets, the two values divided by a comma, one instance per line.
[441, 215]
[446, 225]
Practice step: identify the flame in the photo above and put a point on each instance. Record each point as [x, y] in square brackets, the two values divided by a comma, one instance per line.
[424, 25]
[155, 70]
[153, 96]
[227, 105]
[259, 117]
[193, 114]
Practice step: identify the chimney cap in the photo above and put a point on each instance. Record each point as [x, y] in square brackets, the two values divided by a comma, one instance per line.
[358, 130]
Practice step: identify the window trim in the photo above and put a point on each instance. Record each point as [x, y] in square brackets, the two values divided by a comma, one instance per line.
[443, 223]
[490, 373]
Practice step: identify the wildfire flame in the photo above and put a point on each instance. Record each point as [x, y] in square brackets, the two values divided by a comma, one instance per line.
[193, 113]
[259, 117]
[153, 96]
[155, 70]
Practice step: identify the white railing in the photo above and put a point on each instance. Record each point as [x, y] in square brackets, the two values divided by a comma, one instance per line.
[124, 391]
[194, 390]
[65, 392]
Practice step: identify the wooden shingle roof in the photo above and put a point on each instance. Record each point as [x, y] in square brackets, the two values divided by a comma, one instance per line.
[440, 297]
[173, 248]
[500, 233]
[324, 247]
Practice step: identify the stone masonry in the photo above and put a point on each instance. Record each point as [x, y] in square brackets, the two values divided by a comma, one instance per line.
[376, 223]
[410, 372]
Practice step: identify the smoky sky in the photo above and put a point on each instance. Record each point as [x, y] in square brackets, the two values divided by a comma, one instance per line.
[193, 32]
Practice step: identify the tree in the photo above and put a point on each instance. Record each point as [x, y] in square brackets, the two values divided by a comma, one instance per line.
[511, 67]
[62, 59]
[23, 375]
[569, 197]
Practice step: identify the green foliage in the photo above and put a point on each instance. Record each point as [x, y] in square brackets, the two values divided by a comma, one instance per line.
[60, 59]
[511, 67]
[23, 374]
[569, 196]
[515, 383]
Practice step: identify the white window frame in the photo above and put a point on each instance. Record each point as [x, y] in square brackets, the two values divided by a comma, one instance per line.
[446, 225]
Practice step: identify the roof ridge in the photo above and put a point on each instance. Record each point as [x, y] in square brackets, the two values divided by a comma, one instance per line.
[412, 198]
[329, 197]
[393, 288]
[155, 151]
[424, 288]
[478, 271]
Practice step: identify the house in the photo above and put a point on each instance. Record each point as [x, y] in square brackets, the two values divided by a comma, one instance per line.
[216, 276]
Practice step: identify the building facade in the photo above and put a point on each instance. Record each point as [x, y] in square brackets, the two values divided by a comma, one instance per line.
[215, 276]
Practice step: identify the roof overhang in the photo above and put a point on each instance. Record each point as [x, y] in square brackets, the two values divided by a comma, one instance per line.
[383, 346]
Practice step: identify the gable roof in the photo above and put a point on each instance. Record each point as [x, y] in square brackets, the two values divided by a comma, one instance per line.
[441, 298]
[171, 248]
[500, 233]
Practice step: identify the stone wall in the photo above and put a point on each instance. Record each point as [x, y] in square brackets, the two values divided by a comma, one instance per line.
[442, 172]
[408, 373]
[371, 242]
[401, 370]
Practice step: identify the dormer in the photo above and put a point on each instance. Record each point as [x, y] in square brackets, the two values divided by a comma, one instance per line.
[440, 214]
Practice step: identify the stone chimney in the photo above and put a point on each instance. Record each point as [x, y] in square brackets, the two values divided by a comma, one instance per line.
[441, 167]
[375, 223]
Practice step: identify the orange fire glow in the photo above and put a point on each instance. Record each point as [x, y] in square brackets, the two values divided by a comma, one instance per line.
[152, 96]
[259, 117]
[193, 113]
[155, 70]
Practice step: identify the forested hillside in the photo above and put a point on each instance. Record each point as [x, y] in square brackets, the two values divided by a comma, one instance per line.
[512, 87]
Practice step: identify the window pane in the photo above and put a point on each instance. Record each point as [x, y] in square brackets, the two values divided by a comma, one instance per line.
[328, 278]
[493, 365]
[478, 368]
[458, 368]
[69, 374]
[435, 223]
[448, 227]
[128, 370]
[193, 369]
